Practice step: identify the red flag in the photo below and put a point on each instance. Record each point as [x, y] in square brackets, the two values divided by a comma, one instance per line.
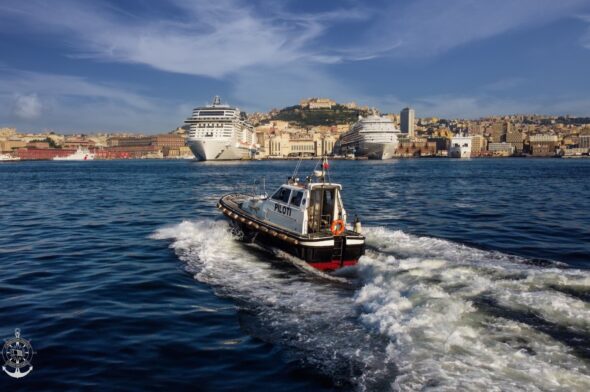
[326, 165]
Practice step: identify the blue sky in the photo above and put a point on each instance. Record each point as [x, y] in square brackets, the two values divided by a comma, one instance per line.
[141, 65]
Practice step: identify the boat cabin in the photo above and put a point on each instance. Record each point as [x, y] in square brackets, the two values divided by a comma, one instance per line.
[304, 209]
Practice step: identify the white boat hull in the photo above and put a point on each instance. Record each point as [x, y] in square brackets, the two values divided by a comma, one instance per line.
[459, 152]
[79, 155]
[375, 150]
[218, 150]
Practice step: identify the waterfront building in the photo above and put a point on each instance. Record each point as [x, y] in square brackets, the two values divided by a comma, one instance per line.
[11, 145]
[515, 138]
[156, 146]
[584, 141]
[543, 138]
[543, 145]
[575, 151]
[166, 140]
[38, 144]
[75, 141]
[299, 144]
[501, 149]
[498, 131]
[407, 118]
[416, 148]
[478, 145]
[279, 145]
[181, 152]
[441, 143]
[29, 153]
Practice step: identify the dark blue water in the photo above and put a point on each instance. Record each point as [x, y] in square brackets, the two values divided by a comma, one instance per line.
[124, 277]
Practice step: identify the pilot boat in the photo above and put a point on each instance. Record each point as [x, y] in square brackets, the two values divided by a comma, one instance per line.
[306, 219]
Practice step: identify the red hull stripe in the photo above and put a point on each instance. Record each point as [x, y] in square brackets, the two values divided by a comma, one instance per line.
[332, 265]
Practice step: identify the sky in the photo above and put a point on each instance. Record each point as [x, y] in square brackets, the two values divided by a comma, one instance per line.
[141, 65]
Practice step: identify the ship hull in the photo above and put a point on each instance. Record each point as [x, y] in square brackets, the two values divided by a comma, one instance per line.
[317, 251]
[373, 150]
[216, 150]
[459, 152]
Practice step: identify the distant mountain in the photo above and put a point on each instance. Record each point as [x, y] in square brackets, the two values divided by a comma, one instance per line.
[306, 117]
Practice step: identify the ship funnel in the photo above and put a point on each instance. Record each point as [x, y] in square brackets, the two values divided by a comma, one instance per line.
[216, 101]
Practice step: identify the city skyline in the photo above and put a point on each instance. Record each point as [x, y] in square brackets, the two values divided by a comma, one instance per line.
[74, 66]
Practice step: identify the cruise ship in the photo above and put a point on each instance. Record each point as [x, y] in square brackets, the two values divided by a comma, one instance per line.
[220, 132]
[373, 137]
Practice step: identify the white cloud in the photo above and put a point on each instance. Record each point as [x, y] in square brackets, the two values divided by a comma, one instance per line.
[205, 38]
[27, 106]
[32, 100]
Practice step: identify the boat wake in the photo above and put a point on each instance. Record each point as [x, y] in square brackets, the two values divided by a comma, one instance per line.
[421, 312]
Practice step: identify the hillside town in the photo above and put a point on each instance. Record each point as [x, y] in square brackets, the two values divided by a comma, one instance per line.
[314, 128]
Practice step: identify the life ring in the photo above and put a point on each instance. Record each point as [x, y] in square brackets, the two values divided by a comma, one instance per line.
[337, 227]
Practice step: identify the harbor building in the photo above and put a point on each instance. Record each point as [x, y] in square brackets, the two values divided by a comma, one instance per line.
[407, 118]
[498, 131]
[515, 138]
[10, 145]
[286, 144]
[75, 142]
[416, 148]
[157, 146]
[543, 145]
[478, 145]
[502, 149]
[584, 141]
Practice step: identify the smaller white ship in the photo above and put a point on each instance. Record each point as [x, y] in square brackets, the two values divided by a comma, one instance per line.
[81, 154]
[8, 157]
[460, 147]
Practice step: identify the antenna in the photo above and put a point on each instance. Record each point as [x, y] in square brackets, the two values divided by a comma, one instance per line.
[297, 168]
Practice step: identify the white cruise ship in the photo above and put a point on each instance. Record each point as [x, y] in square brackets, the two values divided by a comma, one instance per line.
[374, 137]
[220, 132]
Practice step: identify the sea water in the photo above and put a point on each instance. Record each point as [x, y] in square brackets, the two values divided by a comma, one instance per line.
[124, 276]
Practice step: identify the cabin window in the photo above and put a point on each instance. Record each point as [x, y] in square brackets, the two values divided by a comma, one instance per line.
[282, 195]
[296, 199]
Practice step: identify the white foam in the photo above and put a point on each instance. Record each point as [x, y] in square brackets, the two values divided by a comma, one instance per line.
[438, 337]
[413, 323]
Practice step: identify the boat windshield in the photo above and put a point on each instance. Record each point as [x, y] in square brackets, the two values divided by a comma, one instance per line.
[282, 195]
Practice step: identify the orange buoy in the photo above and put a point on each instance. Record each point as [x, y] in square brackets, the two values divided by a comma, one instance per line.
[337, 227]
